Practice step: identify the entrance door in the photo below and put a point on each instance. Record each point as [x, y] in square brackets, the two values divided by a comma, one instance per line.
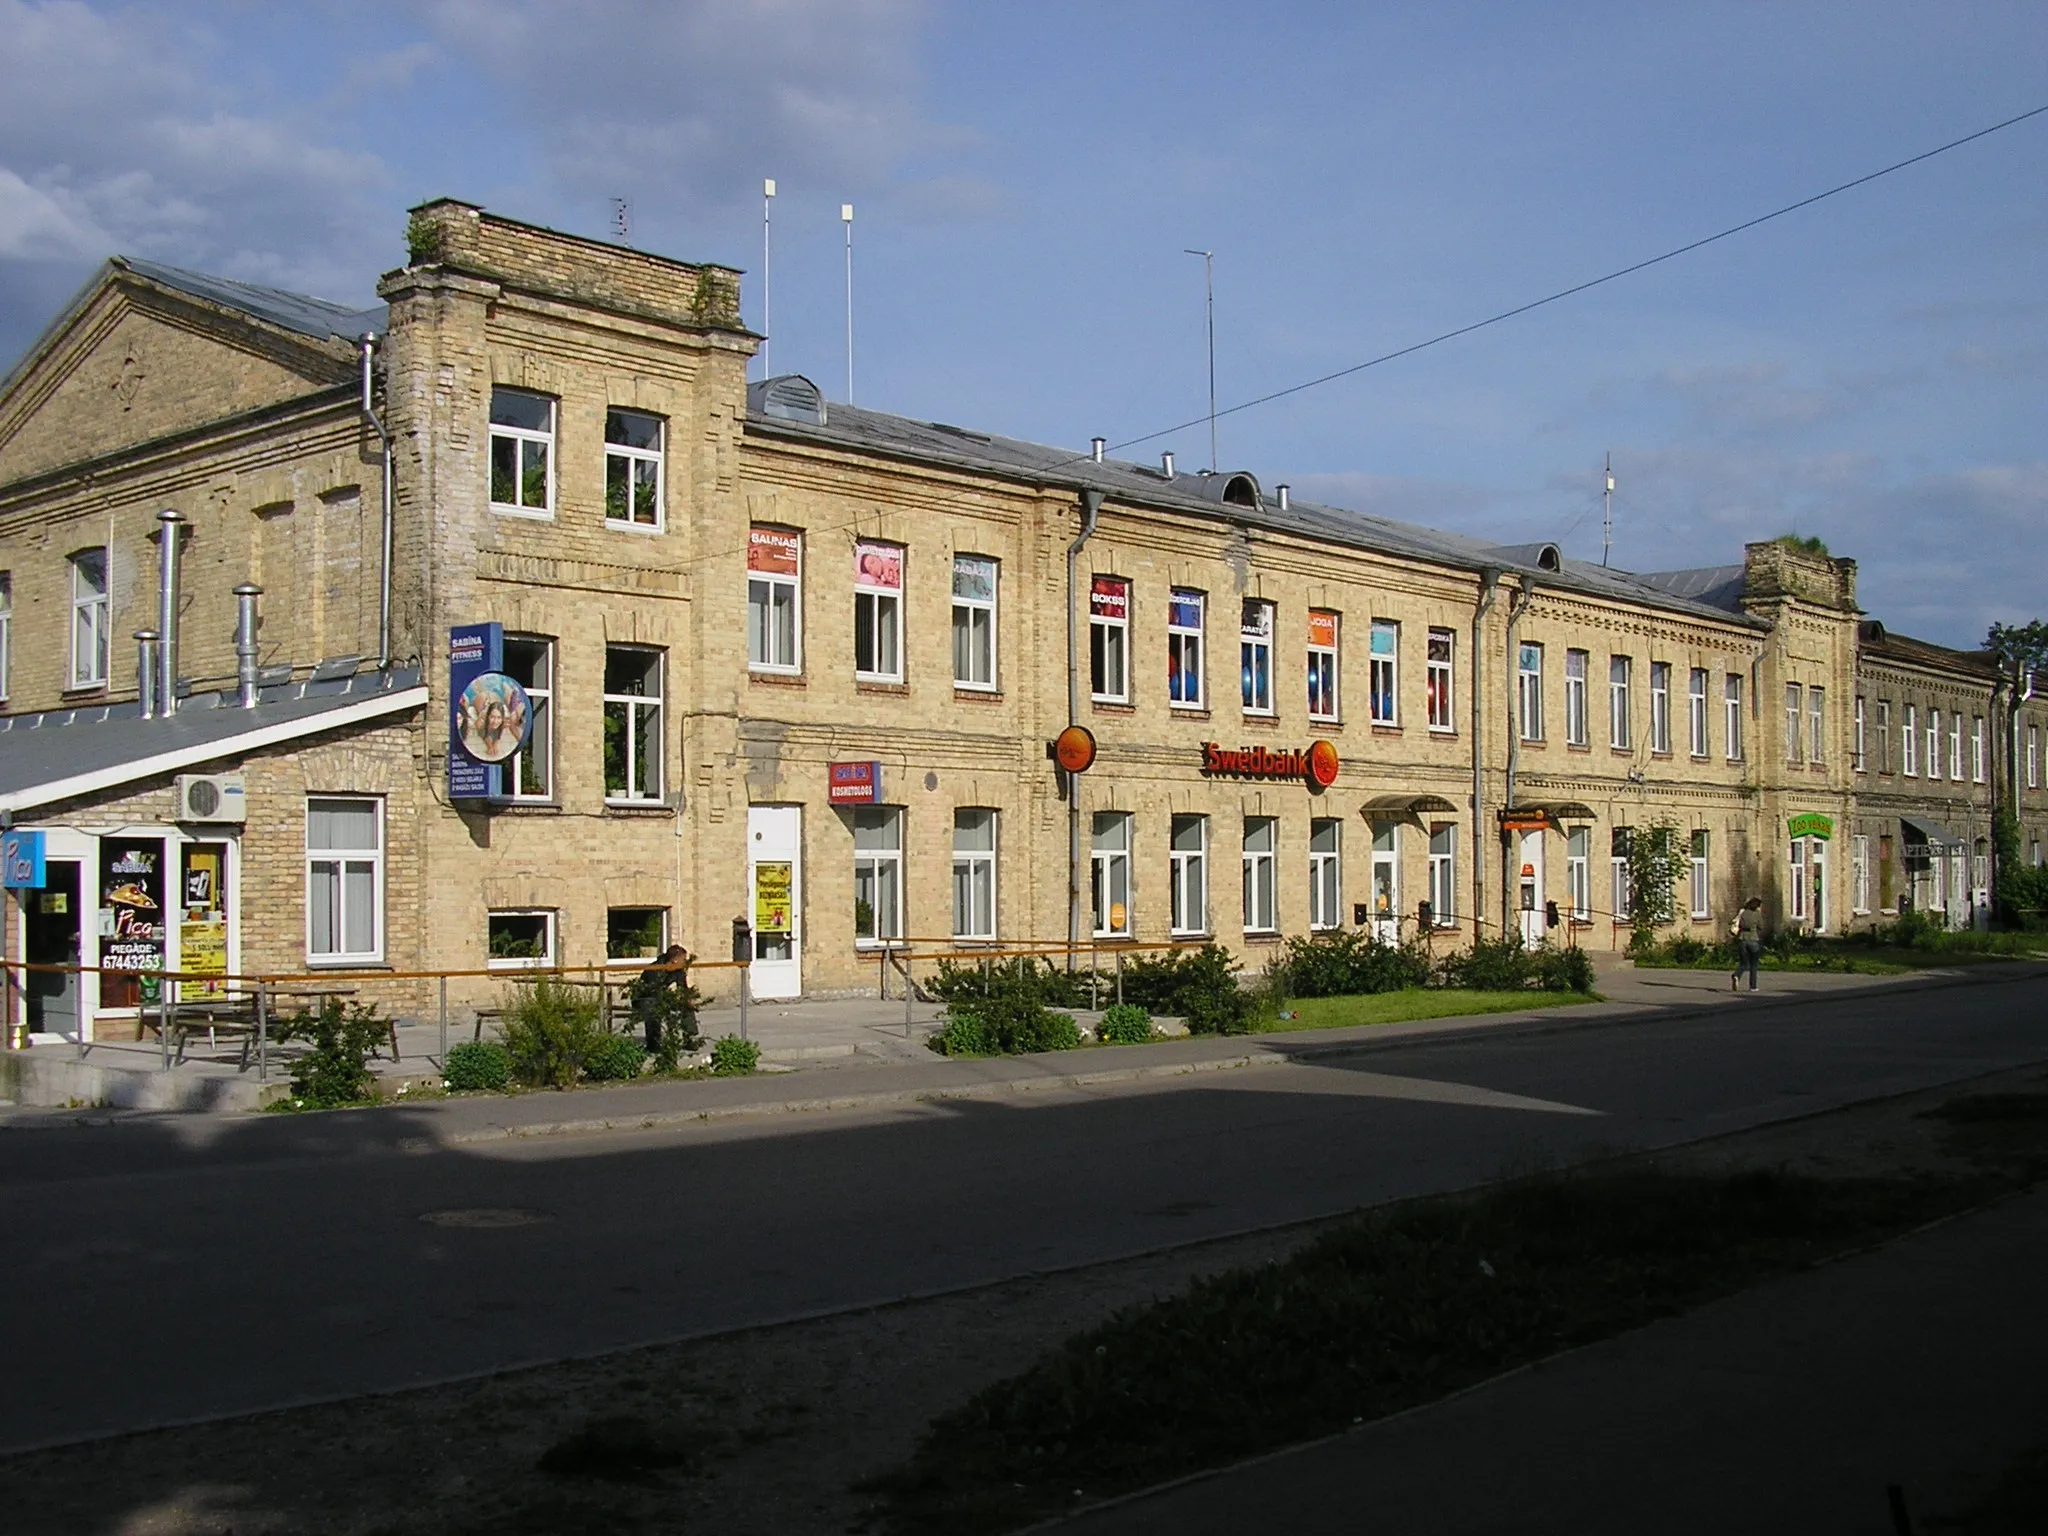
[1529, 888]
[1817, 873]
[775, 835]
[1386, 882]
[51, 937]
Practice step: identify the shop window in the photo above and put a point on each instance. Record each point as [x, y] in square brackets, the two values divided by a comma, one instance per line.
[89, 619]
[1731, 714]
[520, 940]
[632, 723]
[522, 453]
[1660, 707]
[1700, 890]
[1260, 879]
[974, 622]
[344, 881]
[1795, 702]
[1190, 870]
[1816, 725]
[1577, 724]
[1529, 690]
[1909, 743]
[1977, 749]
[1325, 873]
[1109, 639]
[774, 603]
[1383, 677]
[974, 874]
[1442, 692]
[877, 876]
[530, 662]
[1859, 874]
[632, 470]
[1322, 664]
[1255, 654]
[1443, 875]
[6, 629]
[1883, 727]
[635, 933]
[1618, 733]
[1578, 860]
[1696, 711]
[1617, 870]
[1109, 874]
[878, 612]
[1184, 616]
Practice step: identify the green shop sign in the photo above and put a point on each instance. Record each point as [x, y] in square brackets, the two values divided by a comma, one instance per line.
[1813, 824]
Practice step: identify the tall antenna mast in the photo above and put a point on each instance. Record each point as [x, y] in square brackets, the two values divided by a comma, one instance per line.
[1607, 514]
[622, 217]
[1209, 292]
[767, 201]
[846, 218]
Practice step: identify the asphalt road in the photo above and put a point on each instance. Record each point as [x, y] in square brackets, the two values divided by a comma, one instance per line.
[183, 1268]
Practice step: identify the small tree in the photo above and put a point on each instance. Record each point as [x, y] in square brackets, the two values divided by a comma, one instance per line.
[1655, 864]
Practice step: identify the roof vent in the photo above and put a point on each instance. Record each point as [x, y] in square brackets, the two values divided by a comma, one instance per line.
[1550, 558]
[1166, 465]
[1281, 489]
[1241, 491]
[788, 397]
[1232, 487]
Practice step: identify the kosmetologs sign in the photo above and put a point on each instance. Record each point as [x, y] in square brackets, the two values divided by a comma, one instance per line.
[1317, 762]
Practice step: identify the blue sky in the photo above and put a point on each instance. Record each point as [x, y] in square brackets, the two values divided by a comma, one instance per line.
[1026, 178]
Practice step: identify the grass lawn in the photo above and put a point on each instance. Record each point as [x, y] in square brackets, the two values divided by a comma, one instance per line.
[1414, 1003]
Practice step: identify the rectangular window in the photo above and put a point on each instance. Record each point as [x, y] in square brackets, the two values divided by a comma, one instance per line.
[1617, 701]
[1977, 749]
[1185, 611]
[1884, 735]
[1385, 678]
[1955, 746]
[1255, 655]
[1442, 693]
[344, 881]
[519, 939]
[1795, 704]
[522, 453]
[1816, 725]
[1856, 758]
[1798, 883]
[1529, 690]
[6, 627]
[1700, 891]
[1260, 886]
[1577, 722]
[1190, 874]
[1109, 882]
[877, 611]
[1696, 712]
[974, 622]
[632, 470]
[877, 875]
[974, 874]
[774, 610]
[1325, 875]
[1617, 871]
[530, 662]
[634, 934]
[1859, 874]
[1909, 743]
[1322, 664]
[632, 723]
[1443, 876]
[1731, 707]
[1934, 743]
[89, 629]
[2033, 757]
[1579, 872]
[1109, 634]
[1660, 706]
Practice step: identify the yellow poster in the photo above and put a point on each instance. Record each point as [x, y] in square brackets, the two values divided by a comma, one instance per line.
[203, 928]
[771, 897]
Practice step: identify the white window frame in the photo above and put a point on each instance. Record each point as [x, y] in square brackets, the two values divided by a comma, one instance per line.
[1858, 724]
[660, 944]
[1325, 699]
[643, 780]
[1326, 874]
[883, 608]
[1697, 724]
[977, 867]
[1578, 722]
[1529, 689]
[1795, 716]
[1731, 714]
[1187, 680]
[881, 867]
[1909, 743]
[1441, 680]
[1796, 910]
[521, 438]
[1859, 874]
[1383, 673]
[1620, 728]
[1255, 655]
[1934, 744]
[635, 461]
[1109, 644]
[545, 960]
[1189, 869]
[1579, 872]
[1702, 889]
[1660, 708]
[540, 737]
[1109, 871]
[6, 629]
[1955, 745]
[1262, 875]
[371, 860]
[765, 592]
[1976, 749]
[90, 613]
[1385, 870]
[2033, 757]
[1883, 725]
[1617, 873]
[1816, 724]
[1443, 875]
[974, 622]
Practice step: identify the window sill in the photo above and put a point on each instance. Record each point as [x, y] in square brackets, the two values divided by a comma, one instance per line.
[347, 963]
[1188, 711]
[1113, 938]
[1385, 730]
[886, 687]
[640, 807]
[1534, 744]
[1578, 746]
[520, 806]
[519, 965]
[967, 693]
[1263, 722]
[613, 525]
[530, 514]
[775, 679]
[1263, 937]
[79, 691]
[1327, 723]
[1112, 707]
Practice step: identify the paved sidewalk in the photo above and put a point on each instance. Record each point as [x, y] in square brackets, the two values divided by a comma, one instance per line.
[1788, 1408]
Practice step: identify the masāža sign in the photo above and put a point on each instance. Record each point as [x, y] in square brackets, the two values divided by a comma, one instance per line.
[1317, 762]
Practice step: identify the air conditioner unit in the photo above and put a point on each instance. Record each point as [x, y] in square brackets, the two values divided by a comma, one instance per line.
[212, 797]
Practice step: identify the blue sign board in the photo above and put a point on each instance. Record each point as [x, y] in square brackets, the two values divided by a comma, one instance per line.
[473, 651]
[21, 860]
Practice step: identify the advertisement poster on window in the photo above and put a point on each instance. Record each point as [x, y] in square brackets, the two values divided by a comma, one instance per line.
[203, 921]
[1109, 597]
[772, 552]
[772, 883]
[475, 651]
[878, 567]
[133, 926]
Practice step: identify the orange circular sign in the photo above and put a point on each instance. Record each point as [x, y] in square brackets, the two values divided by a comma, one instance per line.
[1074, 749]
[1322, 764]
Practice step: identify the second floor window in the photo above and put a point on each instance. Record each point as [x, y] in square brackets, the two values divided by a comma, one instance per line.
[774, 611]
[1696, 711]
[1955, 746]
[1617, 701]
[89, 619]
[2033, 757]
[1909, 742]
[1529, 691]
[1934, 743]
[1577, 728]
[632, 723]
[1731, 723]
[1322, 665]
[974, 622]
[1109, 639]
[522, 453]
[530, 662]
[1816, 725]
[1184, 615]
[1977, 749]
[1255, 655]
[1794, 700]
[1660, 706]
[1442, 693]
[1856, 753]
[878, 611]
[1884, 735]
[1385, 679]
[632, 469]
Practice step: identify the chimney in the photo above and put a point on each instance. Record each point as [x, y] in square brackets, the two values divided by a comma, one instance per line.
[170, 523]
[145, 671]
[245, 643]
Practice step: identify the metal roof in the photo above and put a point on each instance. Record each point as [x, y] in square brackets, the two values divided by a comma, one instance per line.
[318, 318]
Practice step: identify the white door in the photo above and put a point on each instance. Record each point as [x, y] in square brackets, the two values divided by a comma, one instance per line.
[1386, 882]
[1529, 888]
[775, 873]
[1817, 872]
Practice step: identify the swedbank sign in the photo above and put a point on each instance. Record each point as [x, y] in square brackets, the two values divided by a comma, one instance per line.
[1315, 763]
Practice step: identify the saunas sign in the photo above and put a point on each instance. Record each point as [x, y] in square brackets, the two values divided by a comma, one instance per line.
[1317, 762]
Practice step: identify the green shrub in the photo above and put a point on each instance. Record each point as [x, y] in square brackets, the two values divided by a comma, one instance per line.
[1155, 982]
[614, 1059]
[664, 1007]
[1125, 1024]
[733, 1057]
[1490, 965]
[1562, 970]
[1344, 963]
[972, 982]
[551, 1026]
[336, 1071]
[1199, 985]
[1010, 1008]
[961, 1035]
[478, 1065]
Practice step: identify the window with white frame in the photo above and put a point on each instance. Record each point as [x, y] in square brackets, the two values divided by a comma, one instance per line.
[1795, 706]
[1856, 757]
[1660, 707]
[522, 453]
[1696, 712]
[1618, 668]
[1700, 891]
[632, 723]
[1261, 890]
[1883, 726]
[1109, 874]
[6, 628]
[1384, 679]
[1443, 875]
[1859, 874]
[774, 602]
[1816, 725]
[1909, 743]
[1955, 746]
[632, 470]
[89, 619]
[1109, 639]
[1529, 690]
[1577, 721]
[2033, 757]
[1190, 871]
[1617, 870]
[1255, 656]
[1977, 749]
[877, 611]
[1325, 874]
[1386, 873]
[1934, 743]
[877, 875]
[344, 880]
[634, 934]
[1185, 611]
[530, 662]
[1322, 664]
[1442, 691]
[974, 622]
[1797, 909]
[1578, 863]
[974, 874]
[519, 939]
[1731, 710]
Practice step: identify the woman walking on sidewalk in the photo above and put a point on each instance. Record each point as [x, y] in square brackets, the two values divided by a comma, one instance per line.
[1748, 932]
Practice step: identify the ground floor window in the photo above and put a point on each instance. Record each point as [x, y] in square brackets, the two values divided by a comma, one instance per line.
[1190, 869]
[1109, 885]
[1798, 904]
[1260, 885]
[1859, 874]
[974, 874]
[1617, 869]
[1579, 873]
[344, 880]
[1325, 882]
[877, 876]
[1443, 875]
[520, 939]
[635, 933]
[1700, 890]
[1386, 873]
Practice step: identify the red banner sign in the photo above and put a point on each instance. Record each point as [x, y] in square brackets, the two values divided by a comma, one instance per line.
[1317, 762]
[854, 784]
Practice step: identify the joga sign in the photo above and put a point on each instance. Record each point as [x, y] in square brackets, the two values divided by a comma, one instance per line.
[1317, 762]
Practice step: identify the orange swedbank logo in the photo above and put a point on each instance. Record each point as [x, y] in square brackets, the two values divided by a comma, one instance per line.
[1317, 762]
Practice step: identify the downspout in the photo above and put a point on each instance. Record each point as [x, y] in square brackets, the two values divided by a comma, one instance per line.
[1489, 589]
[1512, 662]
[383, 437]
[1091, 511]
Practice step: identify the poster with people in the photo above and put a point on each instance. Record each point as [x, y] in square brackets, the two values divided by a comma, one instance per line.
[203, 923]
[133, 926]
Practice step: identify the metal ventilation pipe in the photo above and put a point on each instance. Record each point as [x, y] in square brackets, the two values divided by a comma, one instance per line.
[145, 672]
[170, 524]
[383, 437]
[1282, 489]
[245, 643]
[1166, 464]
[1101, 445]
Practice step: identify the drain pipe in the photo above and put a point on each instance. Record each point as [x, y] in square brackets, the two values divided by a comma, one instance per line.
[245, 643]
[1489, 589]
[145, 672]
[383, 437]
[169, 524]
[1091, 513]
[1512, 661]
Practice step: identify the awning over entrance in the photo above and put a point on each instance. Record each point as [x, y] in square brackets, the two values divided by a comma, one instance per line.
[1932, 833]
[1406, 807]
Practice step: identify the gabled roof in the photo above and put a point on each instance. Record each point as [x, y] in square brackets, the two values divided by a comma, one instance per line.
[318, 318]
[1718, 586]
